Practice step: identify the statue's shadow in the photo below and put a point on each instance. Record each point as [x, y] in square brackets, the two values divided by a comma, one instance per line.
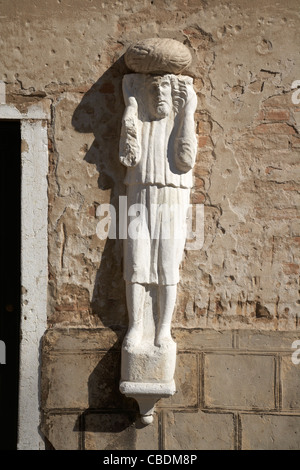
[100, 112]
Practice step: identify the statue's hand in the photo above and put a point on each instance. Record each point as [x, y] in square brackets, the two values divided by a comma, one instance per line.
[129, 146]
[130, 154]
[185, 154]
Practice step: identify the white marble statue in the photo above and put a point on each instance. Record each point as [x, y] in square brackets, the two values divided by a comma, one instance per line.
[158, 146]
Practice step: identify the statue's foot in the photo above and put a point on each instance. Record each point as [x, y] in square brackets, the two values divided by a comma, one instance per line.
[163, 338]
[132, 338]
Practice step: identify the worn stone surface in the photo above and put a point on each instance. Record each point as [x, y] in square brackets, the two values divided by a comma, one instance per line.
[62, 430]
[72, 340]
[117, 431]
[247, 381]
[216, 392]
[203, 431]
[83, 380]
[274, 341]
[270, 432]
[186, 380]
[290, 374]
[200, 339]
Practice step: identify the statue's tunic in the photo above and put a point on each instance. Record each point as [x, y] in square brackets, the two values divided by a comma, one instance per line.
[154, 247]
[156, 165]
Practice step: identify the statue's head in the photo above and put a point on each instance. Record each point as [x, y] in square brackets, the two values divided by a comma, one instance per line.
[160, 95]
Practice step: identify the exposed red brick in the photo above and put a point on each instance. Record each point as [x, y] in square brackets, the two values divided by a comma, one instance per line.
[261, 115]
[295, 141]
[255, 87]
[274, 128]
[203, 128]
[280, 101]
[197, 198]
[276, 114]
[290, 187]
[203, 140]
[297, 240]
[291, 268]
[199, 183]
[81, 89]
[92, 210]
[66, 308]
[276, 214]
[264, 141]
[201, 172]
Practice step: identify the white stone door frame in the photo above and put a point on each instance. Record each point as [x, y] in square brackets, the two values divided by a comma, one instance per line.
[34, 262]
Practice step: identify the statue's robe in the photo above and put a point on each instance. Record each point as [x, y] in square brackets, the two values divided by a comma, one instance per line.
[159, 190]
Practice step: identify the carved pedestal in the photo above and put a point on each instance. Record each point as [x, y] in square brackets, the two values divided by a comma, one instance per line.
[147, 375]
[147, 370]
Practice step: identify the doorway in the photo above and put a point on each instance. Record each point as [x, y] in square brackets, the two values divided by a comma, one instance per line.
[10, 267]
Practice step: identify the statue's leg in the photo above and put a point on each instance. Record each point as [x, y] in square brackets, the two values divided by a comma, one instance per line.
[167, 300]
[135, 295]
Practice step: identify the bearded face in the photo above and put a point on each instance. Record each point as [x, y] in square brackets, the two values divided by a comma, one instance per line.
[160, 97]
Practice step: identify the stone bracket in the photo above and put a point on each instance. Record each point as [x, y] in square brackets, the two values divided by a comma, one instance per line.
[147, 394]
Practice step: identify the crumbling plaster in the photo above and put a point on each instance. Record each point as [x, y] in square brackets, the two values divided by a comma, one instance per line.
[245, 59]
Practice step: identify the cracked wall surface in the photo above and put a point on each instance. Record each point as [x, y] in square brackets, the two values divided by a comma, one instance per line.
[245, 59]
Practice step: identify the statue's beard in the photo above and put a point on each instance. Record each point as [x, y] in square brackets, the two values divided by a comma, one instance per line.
[161, 110]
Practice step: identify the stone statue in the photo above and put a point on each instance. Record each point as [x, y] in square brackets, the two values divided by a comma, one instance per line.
[158, 146]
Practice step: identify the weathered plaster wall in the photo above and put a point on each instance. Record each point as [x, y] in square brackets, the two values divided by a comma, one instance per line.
[246, 276]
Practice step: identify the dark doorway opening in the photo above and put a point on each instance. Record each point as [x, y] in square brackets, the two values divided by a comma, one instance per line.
[10, 267]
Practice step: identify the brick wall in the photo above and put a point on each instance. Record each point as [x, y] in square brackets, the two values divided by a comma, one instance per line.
[235, 390]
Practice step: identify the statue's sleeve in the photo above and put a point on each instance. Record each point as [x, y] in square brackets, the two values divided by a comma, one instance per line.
[186, 140]
[129, 151]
